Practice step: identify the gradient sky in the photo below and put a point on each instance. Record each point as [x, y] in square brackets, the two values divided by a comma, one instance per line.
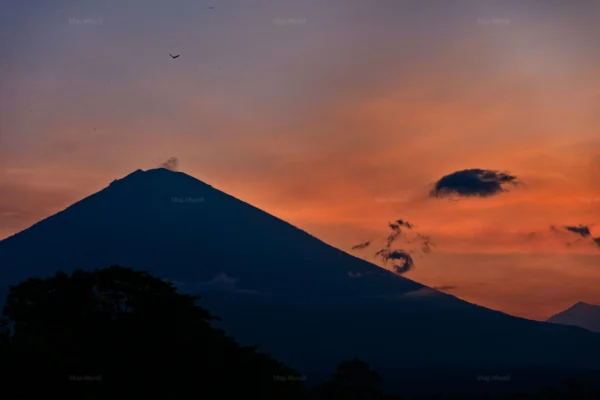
[337, 116]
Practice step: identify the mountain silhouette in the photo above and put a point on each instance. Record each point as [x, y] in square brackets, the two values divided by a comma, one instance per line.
[304, 301]
[580, 314]
[181, 229]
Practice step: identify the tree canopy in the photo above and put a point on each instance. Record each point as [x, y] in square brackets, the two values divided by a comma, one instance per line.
[122, 331]
[353, 379]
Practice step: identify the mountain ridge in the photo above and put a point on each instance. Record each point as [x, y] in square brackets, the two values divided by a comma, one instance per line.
[301, 299]
[580, 314]
[150, 193]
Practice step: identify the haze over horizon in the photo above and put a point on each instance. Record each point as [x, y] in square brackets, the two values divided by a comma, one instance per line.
[337, 118]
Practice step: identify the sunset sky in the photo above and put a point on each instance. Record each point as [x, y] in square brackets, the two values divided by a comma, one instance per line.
[337, 116]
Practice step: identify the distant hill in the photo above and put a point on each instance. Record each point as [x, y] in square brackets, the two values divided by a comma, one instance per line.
[581, 314]
[309, 304]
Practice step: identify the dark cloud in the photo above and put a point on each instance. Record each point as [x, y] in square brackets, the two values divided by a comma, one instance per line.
[442, 288]
[426, 243]
[405, 224]
[361, 246]
[396, 228]
[473, 183]
[423, 292]
[403, 261]
[582, 230]
[392, 238]
[220, 283]
[171, 164]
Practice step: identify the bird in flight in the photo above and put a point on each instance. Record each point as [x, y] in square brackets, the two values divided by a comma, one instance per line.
[172, 56]
[211, 8]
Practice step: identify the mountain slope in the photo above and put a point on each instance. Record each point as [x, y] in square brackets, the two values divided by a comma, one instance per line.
[181, 229]
[308, 303]
[581, 314]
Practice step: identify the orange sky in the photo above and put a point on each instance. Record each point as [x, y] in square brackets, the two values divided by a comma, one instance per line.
[338, 125]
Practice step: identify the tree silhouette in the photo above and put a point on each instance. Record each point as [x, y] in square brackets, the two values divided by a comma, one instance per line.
[4, 335]
[353, 379]
[123, 332]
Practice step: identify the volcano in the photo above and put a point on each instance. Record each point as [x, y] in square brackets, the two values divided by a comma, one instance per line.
[307, 303]
[179, 228]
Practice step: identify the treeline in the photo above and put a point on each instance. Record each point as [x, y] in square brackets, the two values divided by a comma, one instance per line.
[122, 333]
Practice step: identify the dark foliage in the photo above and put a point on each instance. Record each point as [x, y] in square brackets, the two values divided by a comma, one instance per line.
[120, 333]
[353, 379]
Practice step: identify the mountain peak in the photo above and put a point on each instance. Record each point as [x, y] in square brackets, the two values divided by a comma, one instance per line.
[179, 228]
[159, 170]
[157, 175]
[155, 171]
[134, 174]
[582, 305]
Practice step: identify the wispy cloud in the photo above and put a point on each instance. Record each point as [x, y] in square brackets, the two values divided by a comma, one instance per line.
[171, 164]
[221, 283]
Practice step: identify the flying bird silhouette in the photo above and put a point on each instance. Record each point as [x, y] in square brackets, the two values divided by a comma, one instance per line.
[172, 56]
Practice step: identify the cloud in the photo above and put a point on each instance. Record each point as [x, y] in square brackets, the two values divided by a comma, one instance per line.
[426, 243]
[403, 260]
[406, 261]
[171, 164]
[361, 246]
[582, 230]
[221, 283]
[423, 292]
[396, 228]
[442, 288]
[473, 183]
